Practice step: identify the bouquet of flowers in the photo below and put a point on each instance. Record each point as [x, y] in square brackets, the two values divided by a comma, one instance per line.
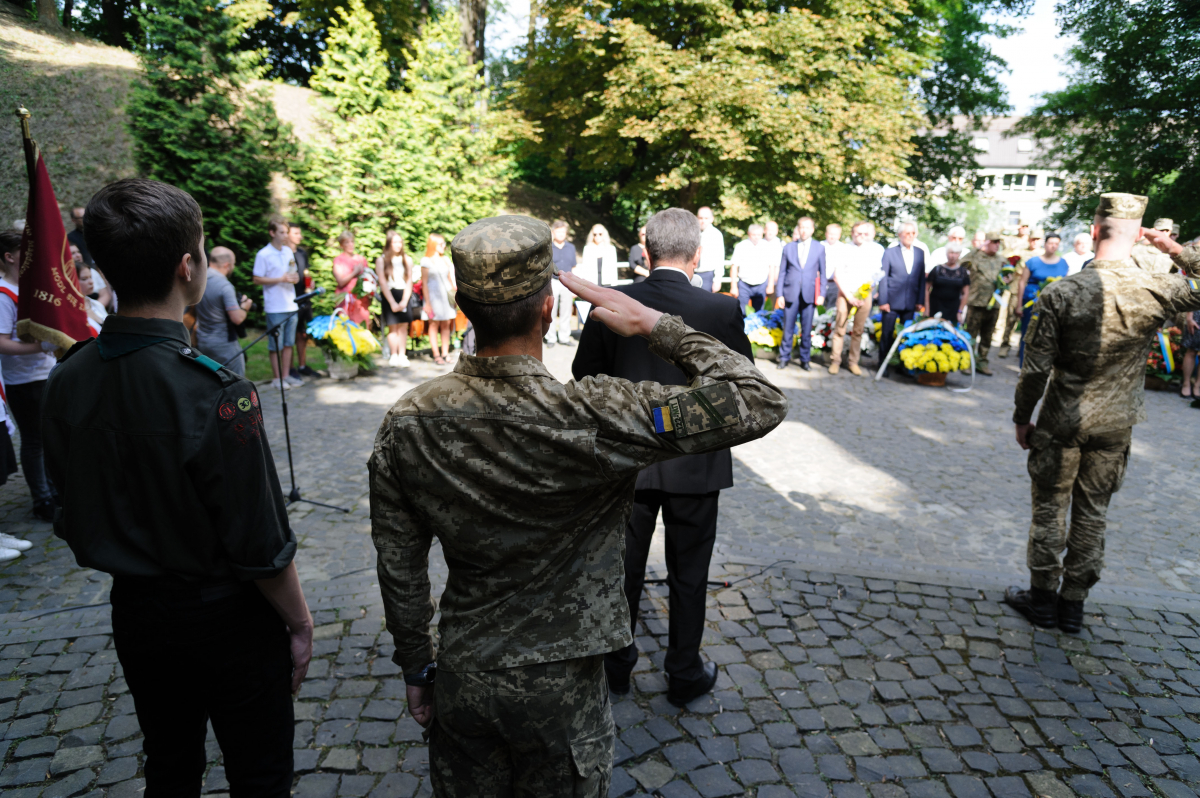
[822, 331]
[1002, 281]
[934, 350]
[342, 339]
[863, 292]
[1165, 354]
[1040, 288]
[765, 328]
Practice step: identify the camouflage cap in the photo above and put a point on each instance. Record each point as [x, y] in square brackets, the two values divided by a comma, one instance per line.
[1037, 232]
[1121, 206]
[1174, 229]
[994, 235]
[1164, 224]
[502, 259]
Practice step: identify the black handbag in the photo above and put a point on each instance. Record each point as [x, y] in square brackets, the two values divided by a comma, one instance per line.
[414, 306]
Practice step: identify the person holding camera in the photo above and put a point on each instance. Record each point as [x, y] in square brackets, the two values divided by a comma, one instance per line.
[220, 311]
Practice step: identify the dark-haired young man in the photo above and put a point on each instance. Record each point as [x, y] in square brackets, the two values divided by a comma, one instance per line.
[528, 485]
[168, 484]
[686, 490]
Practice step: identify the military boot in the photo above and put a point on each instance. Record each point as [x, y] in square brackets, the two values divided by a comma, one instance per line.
[1040, 607]
[1004, 351]
[1070, 615]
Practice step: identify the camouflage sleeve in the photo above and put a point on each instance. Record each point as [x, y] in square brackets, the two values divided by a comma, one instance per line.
[403, 546]
[1041, 349]
[1188, 261]
[727, 401]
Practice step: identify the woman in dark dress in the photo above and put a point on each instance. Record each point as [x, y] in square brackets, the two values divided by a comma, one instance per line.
[947, 285]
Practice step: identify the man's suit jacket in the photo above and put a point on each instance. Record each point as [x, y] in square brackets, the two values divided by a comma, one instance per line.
[601, 351]
[898, 288]
[800, 279]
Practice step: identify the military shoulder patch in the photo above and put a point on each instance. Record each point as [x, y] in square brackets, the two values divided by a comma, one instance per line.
[698, 410]
[1194, 284]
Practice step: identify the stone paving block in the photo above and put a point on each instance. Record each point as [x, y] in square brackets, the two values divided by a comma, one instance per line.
[685, 757]
[28, 771]
[1173, 789]
[640, 741]
[74, 784]
[117, 770]
[122, 727]
[408, 731]
[304, 760]
[753, 746]
[967, 787]
[1127, 783]
[754, 771]
[834, 767]
[72, 759]
[1090, 786]
[714, 782]
[379, 760]
[723, 749]
[317, 785]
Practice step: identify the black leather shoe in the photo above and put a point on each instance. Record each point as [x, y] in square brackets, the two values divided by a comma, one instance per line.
[805, 367]
[781, 365]
[44, 511]
[617, 683]
[681, 693]
[1040, 607]
[1070, 615]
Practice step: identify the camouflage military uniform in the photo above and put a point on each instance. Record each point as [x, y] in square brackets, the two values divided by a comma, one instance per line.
[1088, 338]
[528, 485]
[981, 320]
[1147, 257]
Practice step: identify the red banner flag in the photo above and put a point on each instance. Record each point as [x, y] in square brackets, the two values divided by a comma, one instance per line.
[51, 307]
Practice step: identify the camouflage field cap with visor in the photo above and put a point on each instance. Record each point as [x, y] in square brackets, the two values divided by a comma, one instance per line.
[994, 235]
[1166, 225]
[1121, 206]
[502, 259]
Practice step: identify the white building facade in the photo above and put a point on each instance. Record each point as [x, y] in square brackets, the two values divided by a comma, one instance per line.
[1014, 189]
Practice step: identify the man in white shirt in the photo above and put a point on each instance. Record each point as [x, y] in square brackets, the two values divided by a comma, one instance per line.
[771, 239]
[1080, 254]
[751, 269]
[712, 252]
[275, 270]
[957, 235]
[857, 272]
[834, 249]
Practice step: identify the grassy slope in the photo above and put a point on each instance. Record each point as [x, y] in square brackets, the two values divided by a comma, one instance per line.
[76, 89]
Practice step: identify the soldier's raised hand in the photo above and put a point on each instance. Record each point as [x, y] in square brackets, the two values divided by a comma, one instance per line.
[1163, 241]
[620, 313]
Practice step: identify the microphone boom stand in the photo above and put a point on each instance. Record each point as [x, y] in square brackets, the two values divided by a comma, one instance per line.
[293, 496]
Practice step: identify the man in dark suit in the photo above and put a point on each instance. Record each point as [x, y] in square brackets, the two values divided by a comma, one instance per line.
[902, 287]
[685, 489]
[802, 277]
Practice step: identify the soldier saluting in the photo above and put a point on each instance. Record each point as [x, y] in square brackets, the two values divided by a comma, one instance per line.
[1088, 337]
[528, 485]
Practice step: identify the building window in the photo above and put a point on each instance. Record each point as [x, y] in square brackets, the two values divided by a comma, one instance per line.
[1024, 145]
[1014, 218]
[1055, 183]
[1017, 182]
[983, 182]
[982, 144]
[1030, 182]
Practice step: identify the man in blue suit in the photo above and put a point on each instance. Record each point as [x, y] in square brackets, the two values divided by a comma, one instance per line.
[902, 287]
[802, 280]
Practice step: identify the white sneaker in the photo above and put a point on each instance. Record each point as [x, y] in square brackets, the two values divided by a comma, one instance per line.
[9, 554]
[283, 385]
[402, 361]
[394, 361]
[19, 544]
[295, 382]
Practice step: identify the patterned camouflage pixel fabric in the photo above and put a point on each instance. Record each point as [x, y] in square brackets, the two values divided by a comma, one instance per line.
[1081, 473]
[1150, 259]
[528, 484]
[983, 269]
[1116, 205]
[1089, 336]
[502, 259]
[538, 730]
[981, 326]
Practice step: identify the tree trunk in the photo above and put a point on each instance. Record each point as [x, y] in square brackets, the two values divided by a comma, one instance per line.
[473, 16]
[48, 14]
[534, 8]
[68, 7]
[113, 12]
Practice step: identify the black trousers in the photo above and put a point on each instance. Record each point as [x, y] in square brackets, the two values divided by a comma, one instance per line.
[25, 401]
[691, 526]
[188, 660]
[887, 336]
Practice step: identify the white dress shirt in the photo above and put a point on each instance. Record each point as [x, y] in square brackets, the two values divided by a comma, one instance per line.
[712, 252]
[753, 261]
[907, 254]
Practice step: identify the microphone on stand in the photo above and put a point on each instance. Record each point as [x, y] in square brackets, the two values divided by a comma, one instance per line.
[310, 294]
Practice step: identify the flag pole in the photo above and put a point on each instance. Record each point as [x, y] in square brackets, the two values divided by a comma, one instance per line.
[30, 145]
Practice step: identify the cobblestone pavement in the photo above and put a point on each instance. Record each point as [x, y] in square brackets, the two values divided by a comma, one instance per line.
[836, 679]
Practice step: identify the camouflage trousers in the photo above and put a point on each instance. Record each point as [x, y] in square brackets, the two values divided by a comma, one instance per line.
[981, 325]
[1081, 473]
[538, 730]
[1012, 317]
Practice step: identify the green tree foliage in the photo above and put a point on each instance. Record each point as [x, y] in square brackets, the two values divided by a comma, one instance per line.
[197, 125]
[698, 103]
[420, 159]
[1128, 119]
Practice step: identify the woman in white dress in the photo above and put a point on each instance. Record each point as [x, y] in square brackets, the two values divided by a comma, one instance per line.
[598, 264]
[437, 281]
[394, 268]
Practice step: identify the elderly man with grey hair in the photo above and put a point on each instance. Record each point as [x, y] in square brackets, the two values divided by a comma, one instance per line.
[220, 311]
[955, 235]
[902, 287]
[751, 268]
